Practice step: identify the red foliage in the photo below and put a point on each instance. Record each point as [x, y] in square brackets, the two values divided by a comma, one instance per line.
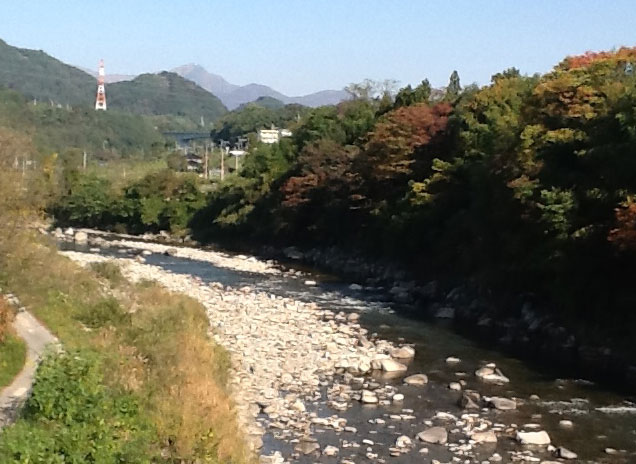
[624, 236]
[409, 127]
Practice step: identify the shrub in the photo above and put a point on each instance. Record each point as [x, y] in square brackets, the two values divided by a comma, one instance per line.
[71, 417]
[6, 316]
[109, 271]
[102, 313]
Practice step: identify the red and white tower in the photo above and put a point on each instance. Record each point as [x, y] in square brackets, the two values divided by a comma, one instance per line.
[100, 101]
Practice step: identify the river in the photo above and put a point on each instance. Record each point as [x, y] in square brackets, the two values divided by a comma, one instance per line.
[603, 421]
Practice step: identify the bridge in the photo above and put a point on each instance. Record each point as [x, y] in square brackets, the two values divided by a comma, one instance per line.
[184, 138]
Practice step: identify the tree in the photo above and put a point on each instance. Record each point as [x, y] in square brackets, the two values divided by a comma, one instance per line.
[454, 88]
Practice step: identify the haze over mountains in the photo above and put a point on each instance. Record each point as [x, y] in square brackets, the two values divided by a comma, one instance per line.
[233, 95]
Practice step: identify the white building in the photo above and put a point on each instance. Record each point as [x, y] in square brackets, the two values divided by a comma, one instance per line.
[273, 135]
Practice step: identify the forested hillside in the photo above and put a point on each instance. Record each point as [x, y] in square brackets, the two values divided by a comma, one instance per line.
[38, 75]
[176, 102]
[103, 134]
[165, 94]
[525, 185]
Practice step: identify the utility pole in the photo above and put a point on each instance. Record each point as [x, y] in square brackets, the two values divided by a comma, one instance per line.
[221, 147]
[205, 162]
[84, 161]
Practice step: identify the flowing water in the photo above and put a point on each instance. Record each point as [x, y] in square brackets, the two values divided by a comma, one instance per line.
[601, 417]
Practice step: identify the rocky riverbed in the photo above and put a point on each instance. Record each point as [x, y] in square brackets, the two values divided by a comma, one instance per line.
[311, 383]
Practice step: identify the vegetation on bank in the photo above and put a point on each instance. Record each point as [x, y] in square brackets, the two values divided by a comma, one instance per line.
[139, 381]
[12, 348]
[523, 186]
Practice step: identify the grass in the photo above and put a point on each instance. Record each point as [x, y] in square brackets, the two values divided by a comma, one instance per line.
[151, 344]
[12, 357]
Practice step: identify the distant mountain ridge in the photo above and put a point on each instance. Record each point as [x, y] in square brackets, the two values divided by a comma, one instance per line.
[233, 95]
[41, 77]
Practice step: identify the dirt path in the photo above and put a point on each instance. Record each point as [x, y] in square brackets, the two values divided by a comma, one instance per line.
[37, 338]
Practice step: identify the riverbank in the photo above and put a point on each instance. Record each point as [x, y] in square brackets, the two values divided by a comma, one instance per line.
[297, 370]
[520, 324]
[139, 378]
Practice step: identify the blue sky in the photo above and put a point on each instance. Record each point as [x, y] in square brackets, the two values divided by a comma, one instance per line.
[303, 46]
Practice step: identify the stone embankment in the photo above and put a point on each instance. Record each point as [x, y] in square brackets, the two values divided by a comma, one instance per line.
[525, 327]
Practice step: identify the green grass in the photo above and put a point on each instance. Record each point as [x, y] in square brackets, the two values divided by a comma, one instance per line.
[12, 357]
[152, 356]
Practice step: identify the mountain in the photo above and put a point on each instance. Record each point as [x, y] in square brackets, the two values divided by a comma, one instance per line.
[233, 95]
[265, 102]
[165, 93]
[210, 82]
[39, 76]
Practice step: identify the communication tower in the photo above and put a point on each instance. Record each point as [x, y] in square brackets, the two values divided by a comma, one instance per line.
[100, 101]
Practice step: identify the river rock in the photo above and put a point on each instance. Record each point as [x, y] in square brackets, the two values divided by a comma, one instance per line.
[404, 352]
[330, 451]
[81, 238]
[455, 386]
[307, 446]
[398, 398]
[503, 404]
[368, 397]
[533, 438]
[171, 252]
[403, 442]
[390, 365]
[293, 253]
[355, 287]
[565, 453]
[416, 379]
[434, 435]
[491, 375]
[566, 424]
[470, 400]
[484, 437]
[453, 360]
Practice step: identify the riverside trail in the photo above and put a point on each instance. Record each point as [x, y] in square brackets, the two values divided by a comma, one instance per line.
[322, 371]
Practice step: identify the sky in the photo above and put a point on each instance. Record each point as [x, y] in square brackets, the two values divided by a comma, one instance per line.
[302, 46]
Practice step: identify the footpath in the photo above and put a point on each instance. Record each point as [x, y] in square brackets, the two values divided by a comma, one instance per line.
[38, 339]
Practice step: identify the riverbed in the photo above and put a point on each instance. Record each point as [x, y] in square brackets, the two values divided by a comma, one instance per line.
[317, 415]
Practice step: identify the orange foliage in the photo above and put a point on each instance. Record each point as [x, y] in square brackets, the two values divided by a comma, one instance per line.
[588, 58]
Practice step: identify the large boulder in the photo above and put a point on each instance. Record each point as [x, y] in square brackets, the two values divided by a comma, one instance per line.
[434, 435]
[484, 437]
[534, 438]
[81, 238]
[503, 404]
[491, 375]
[470, 400]
[404, 352]
[390, 365]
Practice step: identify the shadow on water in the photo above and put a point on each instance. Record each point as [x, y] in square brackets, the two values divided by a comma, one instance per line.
[560, 397]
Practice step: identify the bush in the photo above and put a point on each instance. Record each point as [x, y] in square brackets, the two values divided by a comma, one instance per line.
[102, 313]
[6, 316]
[109, 271]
